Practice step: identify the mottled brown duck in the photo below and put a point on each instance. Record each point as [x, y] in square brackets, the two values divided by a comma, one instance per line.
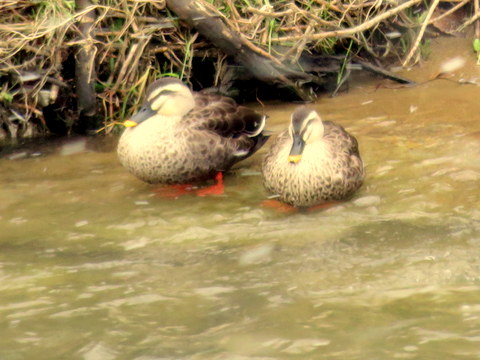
[313, 162]
[179, 136]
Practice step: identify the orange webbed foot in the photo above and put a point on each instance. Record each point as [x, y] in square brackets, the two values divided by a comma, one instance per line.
[216, 189]
[279, 206]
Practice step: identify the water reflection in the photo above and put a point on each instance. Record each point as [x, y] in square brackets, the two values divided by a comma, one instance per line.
[93, 265]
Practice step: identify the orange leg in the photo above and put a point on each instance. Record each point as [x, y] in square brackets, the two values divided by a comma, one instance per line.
[216, 189]
[177, 190]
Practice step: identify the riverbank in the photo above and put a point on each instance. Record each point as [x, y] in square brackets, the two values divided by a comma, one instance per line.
[72, 68]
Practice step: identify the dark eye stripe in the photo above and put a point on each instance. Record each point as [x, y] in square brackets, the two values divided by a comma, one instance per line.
[304, 129]
[158, 93]
[166, 92]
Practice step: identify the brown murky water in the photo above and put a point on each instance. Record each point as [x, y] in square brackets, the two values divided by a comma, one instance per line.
[94, 266]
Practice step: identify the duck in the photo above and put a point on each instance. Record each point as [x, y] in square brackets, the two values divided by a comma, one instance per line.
[179, 136]
[313, 162]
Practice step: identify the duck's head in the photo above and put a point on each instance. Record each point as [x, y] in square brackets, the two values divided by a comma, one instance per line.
[166, 97]
[305, 128]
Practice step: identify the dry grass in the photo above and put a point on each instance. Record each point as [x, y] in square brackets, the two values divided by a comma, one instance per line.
[136, 41]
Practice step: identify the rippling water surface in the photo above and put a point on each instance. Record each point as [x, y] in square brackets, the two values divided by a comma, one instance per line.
[94, 265]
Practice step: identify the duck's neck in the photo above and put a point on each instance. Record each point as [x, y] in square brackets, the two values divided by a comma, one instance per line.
[164, 123]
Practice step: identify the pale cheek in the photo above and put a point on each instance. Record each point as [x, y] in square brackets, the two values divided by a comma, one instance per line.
[307, 136]
[170, 108]
[178, 106]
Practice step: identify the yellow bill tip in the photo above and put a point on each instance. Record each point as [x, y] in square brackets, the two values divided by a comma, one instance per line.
[294, 158]
[129, 123]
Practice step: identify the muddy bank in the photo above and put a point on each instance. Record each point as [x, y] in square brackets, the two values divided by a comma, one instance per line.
[72, 69]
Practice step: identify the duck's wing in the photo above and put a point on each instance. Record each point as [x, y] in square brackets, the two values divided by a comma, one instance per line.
[346, 149]
[337, 135]
[223, 116]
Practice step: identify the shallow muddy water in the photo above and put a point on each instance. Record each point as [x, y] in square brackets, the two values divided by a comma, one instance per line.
[94, 265]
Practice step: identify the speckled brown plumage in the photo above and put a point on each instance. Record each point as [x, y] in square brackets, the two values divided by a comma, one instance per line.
[330, 168]
[188, 137]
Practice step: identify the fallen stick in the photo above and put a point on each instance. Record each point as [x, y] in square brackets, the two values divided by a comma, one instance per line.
[85, 75]
[212, 25]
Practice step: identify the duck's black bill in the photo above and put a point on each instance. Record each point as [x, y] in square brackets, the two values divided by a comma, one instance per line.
[143, 114]
[297, 149]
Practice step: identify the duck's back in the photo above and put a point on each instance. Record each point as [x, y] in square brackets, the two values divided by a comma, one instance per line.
[346, 159]
[340, 140]
[224, 116]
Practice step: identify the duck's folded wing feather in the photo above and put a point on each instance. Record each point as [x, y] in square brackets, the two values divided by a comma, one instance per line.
[224, 117]
[339, 136]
